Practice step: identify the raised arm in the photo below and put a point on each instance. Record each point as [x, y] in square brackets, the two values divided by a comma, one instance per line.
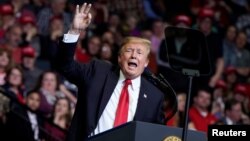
[64, 62]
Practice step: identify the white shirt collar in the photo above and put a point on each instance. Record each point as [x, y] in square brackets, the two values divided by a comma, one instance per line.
[136, 83]
[31, 115]
[229, 121]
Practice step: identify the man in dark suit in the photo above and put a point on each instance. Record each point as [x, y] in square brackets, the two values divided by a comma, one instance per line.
[233, 113]
[101, 85]
[23, 122]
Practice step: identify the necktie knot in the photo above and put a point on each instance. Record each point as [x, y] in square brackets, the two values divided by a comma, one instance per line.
[128, 82]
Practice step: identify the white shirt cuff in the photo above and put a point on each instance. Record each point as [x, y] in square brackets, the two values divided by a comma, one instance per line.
[70, 38]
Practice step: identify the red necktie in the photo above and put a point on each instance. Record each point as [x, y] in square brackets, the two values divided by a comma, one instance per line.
[122, 109]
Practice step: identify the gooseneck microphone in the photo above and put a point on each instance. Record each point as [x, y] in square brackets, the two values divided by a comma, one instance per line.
[169, 93]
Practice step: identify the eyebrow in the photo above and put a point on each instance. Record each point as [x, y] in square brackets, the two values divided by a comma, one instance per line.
[137, 49]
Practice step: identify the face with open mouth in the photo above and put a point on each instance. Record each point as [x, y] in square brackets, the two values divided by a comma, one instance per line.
[133, 59]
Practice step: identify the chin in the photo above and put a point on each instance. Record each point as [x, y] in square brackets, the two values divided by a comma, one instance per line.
[132, 76]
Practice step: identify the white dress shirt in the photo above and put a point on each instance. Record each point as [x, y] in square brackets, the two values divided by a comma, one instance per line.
[34, 124]
[229, 121]
[107, 118]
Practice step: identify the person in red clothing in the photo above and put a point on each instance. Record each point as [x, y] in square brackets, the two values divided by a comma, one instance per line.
[30, 34]
[81, 53]
[5, 64]
[11, 41]
[14, 84]
[199, 115]
[206, 24]
[219, 94]
[230, 75]
[7, 18]
[91, 51]
[241, 94]
[178, 118]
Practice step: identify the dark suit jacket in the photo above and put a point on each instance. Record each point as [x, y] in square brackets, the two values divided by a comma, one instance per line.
[223, 121]
[18, 126]
[96, 82]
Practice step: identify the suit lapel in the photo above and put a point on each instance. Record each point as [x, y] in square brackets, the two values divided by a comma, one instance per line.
[109, 86]
[142, 101]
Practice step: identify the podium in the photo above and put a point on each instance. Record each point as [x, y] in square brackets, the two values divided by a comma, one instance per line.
[142, 131]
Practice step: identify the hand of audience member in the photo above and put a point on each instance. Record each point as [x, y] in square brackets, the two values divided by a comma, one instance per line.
[55, 34]
[213, 80]
[31, 33]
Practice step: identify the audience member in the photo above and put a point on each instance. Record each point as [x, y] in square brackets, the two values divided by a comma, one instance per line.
[11, 41]
[241, 55]
[214, 44]
[50, 89]
[4, 109]
[230, 77]
[7, 18]
[233, 113]
[14, 84]
[218, 99]
[241, 94]
[24, 123]
[94, 46]
[61, 117]
[177, 80]
[106, 52]
[56, 8]
[81, 53]
[30, 35]
[5, 63]
[229, 46]
[199, 111]
[30, 71]
[178, 119]
[49, 41]
[158, 35]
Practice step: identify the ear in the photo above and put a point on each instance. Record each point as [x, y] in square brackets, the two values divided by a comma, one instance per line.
[146, 64]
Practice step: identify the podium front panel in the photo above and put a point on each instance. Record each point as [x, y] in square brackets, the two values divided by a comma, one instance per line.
[142, 131]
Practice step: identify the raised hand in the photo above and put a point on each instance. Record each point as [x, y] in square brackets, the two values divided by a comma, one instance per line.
[82, 19]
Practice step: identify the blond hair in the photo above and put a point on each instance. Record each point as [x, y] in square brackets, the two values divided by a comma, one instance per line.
[139, 40]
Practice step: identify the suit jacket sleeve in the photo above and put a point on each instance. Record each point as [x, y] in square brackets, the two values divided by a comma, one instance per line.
[64, 63]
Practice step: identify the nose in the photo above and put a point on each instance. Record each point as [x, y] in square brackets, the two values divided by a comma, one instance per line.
[134, 54]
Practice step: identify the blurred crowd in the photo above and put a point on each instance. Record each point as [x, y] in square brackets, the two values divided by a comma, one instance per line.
[37, 103]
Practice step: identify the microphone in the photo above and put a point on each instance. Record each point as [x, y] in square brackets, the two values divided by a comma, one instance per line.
[169, 93]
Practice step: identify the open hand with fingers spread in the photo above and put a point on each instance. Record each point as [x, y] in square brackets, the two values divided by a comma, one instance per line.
[82, 19]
